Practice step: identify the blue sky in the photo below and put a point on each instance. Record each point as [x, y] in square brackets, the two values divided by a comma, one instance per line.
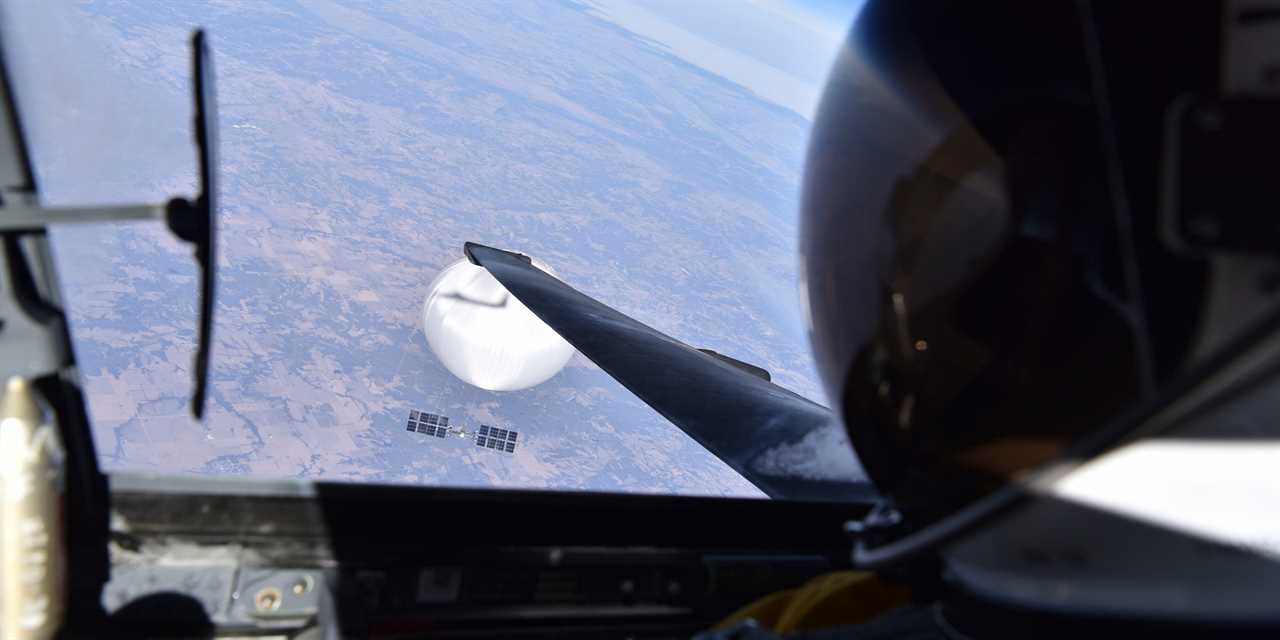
[780, 49]
[834, 11]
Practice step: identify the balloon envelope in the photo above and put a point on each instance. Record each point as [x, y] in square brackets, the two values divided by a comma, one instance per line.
[485, 336]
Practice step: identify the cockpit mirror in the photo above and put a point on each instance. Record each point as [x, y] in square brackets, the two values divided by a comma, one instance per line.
[195, 221]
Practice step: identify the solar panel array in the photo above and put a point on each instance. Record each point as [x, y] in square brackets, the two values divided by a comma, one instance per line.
[496, 439]
[488, 437]
[428, 424]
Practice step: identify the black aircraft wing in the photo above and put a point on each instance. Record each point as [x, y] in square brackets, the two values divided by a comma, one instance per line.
[735, 414]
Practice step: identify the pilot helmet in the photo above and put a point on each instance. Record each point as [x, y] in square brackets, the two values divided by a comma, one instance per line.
[1022, 221]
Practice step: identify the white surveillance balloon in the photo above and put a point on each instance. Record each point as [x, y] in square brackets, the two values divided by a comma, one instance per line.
[485, 336]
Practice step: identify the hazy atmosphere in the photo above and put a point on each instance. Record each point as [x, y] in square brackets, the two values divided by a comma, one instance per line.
[649, 152]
